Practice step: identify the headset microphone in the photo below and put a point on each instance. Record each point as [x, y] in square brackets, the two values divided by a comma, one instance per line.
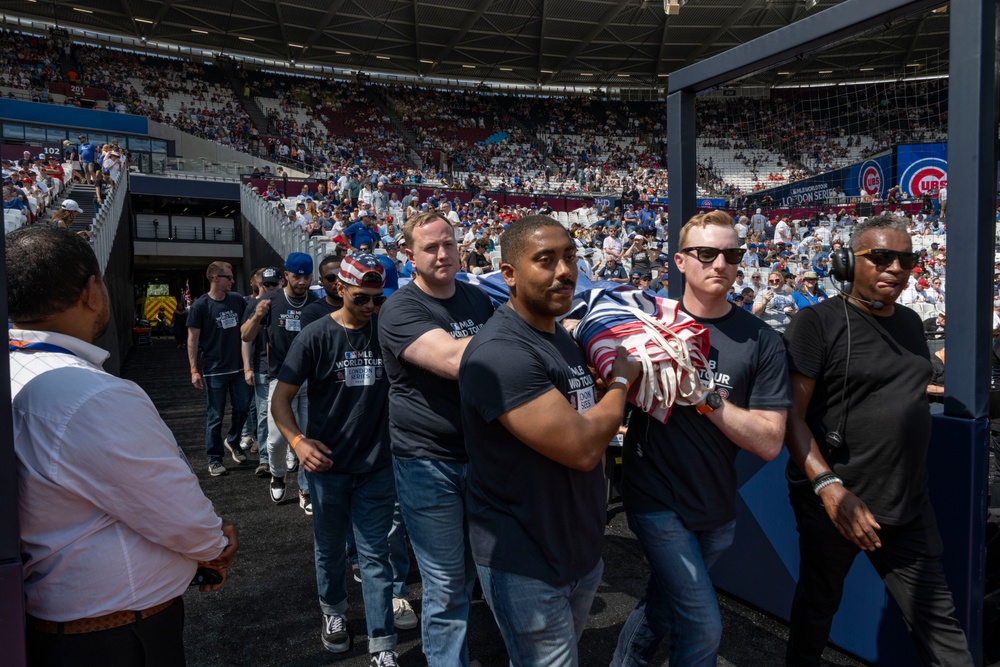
[874, 305]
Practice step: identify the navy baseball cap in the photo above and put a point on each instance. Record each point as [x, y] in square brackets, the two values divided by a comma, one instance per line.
[299, 264]
[270, 276]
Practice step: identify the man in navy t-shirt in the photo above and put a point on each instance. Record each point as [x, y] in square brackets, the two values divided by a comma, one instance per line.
[214, 331]
[536, 434]
[339, 362]
[424, 329]
[679, 482]
[362, 232]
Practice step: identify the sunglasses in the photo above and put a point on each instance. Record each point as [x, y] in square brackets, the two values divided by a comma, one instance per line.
[362, 299]
[220, 275]
[774, 282]
[707, 255]
[884, 258]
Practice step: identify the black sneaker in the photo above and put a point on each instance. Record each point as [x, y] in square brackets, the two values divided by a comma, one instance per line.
[335, 637]
[277, 489]
[384, 659]
[237, 453]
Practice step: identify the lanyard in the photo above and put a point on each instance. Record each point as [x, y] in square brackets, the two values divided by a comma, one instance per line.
[21, 346]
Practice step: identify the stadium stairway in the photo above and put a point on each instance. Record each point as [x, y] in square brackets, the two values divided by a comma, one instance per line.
[257, 115]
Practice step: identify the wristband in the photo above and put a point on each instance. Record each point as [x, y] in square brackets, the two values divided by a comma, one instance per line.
[248, 370]
[194, 371]
[295, 440]
[619, 380]
[829, 481]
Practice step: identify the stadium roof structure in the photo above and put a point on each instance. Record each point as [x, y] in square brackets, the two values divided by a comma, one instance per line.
[549, 43]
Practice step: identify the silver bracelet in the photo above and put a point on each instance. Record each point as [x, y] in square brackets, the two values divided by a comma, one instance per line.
[825, 483]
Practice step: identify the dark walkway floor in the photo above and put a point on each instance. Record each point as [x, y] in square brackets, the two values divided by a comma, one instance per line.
[268, 614]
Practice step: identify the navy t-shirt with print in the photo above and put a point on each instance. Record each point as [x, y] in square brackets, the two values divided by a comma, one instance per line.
[688, 466]
[528, 514]
[317, 310]
[348, 392]
[424, 414]
[219, 342]
[282, 324]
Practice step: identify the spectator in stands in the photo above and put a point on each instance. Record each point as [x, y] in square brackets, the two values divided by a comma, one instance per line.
[809, 293]
[88, 158]
[612, 271]
[778, 306]
[479, 258]
[66, 214]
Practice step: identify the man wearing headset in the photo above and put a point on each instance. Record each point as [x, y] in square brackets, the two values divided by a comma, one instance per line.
[864, 461]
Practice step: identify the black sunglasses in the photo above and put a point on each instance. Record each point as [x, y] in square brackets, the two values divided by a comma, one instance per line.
[362, 299]
[707, 255]
[885, 257]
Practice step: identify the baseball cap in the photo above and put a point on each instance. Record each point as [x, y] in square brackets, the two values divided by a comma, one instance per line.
[637, 274]
[362, 270]
[400, 239]
[391, 274]
[922, 282]
[270, 276]
[70, 205]
[299, 264]
[388, 218]
[810, 275]
[363, 214]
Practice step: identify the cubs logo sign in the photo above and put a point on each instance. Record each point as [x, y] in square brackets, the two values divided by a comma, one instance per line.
[924, 175]
[870, 179]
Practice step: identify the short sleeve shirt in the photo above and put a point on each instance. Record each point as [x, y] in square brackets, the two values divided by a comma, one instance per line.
[424, 412]
[688, 466]
[348, 392]
[282, 325]
[219, 342]
[527, 514]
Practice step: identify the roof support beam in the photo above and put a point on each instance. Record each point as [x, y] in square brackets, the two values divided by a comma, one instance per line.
[541, 35]
[610, 15]
[463, 30]
[323, 24]
[720, 31]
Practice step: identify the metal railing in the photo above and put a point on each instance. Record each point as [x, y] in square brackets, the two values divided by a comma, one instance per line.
[104, 229]
[281, 235]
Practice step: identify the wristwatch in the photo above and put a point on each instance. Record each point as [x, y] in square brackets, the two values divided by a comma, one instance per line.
[712, 402]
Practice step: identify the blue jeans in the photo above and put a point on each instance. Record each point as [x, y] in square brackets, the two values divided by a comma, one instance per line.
[432, 498]
[261, 396]
[399, 557]
[217, 387]
[277, 446]
[365, 501]
[541, 624]
[679, 598]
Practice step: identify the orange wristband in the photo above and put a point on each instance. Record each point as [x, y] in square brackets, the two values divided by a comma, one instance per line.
[248, 370]
[194, 371]
[295, 440]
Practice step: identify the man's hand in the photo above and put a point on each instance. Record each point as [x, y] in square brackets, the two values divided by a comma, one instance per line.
[630, 370]
[196, 380]
[851, 517]
[248, 376]
[262, 309]
[222, 562]
[313, 455]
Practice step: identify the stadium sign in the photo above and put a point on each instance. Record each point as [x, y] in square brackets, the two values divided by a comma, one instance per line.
[812, 193]
[871, 178]
[924, 175]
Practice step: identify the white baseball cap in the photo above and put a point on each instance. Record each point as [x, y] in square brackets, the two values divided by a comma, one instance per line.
[70, 205]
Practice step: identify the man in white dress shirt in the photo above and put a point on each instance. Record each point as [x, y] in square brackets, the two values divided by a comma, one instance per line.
[114, 526]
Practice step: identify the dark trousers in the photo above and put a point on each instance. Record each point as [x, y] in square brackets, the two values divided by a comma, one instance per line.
[909, 563]
[157, 641]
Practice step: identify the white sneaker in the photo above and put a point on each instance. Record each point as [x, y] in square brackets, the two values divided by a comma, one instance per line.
[246, 443]
[291, 461]
[403, 616]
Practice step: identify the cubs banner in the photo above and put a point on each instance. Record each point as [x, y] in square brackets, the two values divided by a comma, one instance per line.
[702, 203]
[922, 168]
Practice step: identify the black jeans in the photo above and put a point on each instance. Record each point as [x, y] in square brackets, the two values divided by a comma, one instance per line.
[157, 641]
[909, 563]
